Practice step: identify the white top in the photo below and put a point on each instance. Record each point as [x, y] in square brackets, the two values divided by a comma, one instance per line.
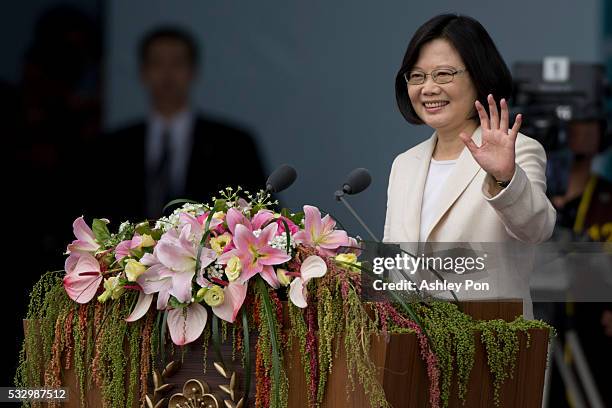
[439, 170]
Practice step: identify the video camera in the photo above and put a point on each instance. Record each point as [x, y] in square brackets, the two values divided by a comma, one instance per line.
[558, 100]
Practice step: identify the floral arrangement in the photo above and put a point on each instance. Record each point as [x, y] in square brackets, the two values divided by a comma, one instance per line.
[201, 255]
[208, 270]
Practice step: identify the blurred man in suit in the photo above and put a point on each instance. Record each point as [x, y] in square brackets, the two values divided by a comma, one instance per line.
[176, 152]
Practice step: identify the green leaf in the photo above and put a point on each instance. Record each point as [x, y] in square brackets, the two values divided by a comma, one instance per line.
[178, 201]
[175, 303]
[220, 205]
[246, 344]
[297, 217]
[156, 234]
[288, 234]
[203, 240]
[143, 228]
[100, 230]
[270, 318]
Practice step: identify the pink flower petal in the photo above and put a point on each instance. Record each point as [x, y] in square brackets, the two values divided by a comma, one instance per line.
[187, 324]
[267, 234]
[243, 237]
[234, 295]
[272, 256]
[269, 276]
[207, 257]
[196, 230]
[249, 267]
[334, 240]
[353, 246]
[303, 237]
[225, 257]
[181, 286]
[157, 279]
[149, 260]
[86, 240]
[141, 308]
[234, 218]
[312, 221]
[327, 223]
[83, 277]
[262, 217]
[174, 255]
[123, 249]
[163, 296]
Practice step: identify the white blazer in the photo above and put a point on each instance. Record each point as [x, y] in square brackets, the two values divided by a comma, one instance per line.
[466, 211]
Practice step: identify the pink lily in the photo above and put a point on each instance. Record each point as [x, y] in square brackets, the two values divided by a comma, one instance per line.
[85, 238]
[156, 279]
[216, 224]
[234, 295]
[312, 267]
[320, 233]
[197, 225]
[83, 276]
[255, 254]
[186, 324]
[172, 266]
[235, 217]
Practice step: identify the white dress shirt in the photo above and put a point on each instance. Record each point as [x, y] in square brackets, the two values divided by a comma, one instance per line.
[180, 130]
[439, 171]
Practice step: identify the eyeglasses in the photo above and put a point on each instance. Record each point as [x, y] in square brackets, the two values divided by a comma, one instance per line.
[439, 76]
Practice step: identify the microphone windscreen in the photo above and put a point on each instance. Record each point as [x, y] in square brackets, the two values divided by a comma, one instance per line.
[281, 178]
[357, 181]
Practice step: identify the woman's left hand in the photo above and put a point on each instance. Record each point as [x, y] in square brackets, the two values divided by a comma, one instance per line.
[496, 152]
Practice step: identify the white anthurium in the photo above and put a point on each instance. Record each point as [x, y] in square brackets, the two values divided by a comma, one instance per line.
[312, 267]
[141, 308]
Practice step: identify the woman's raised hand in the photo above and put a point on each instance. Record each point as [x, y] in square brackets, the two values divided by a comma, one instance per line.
[496, 152]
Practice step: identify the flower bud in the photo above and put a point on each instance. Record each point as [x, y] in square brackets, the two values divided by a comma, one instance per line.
[133, 269]
[147, 241]
[348, 258]
[112, 289]
[200, 294]
[282, 276]
[218, 243]
[233, 268]
[214, 296]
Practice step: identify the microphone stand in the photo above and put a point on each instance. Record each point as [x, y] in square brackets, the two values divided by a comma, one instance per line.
[340, 197]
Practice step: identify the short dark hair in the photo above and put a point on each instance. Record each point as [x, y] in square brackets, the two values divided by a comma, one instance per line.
[484, 63]
[168, 33]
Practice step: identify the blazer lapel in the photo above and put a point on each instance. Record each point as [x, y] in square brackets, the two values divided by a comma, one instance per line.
[465, 170]
[414, 188]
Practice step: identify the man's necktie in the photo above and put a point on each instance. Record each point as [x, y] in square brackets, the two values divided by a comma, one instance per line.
[160, 182]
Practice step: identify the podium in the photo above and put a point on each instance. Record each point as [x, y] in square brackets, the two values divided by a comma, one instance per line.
[400, 370]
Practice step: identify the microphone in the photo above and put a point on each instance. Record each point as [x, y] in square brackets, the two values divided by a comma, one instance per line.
[356, 181]
[281, 179]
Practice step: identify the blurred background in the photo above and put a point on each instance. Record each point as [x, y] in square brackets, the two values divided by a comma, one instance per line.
[83, 85]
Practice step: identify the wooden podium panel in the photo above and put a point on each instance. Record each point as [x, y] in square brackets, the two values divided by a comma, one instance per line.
[404, 378]
[401, 371]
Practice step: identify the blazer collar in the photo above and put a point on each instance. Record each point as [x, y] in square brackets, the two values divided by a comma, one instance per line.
[464, 172]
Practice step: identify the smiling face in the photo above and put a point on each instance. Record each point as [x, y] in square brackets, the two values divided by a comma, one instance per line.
[442, 106]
